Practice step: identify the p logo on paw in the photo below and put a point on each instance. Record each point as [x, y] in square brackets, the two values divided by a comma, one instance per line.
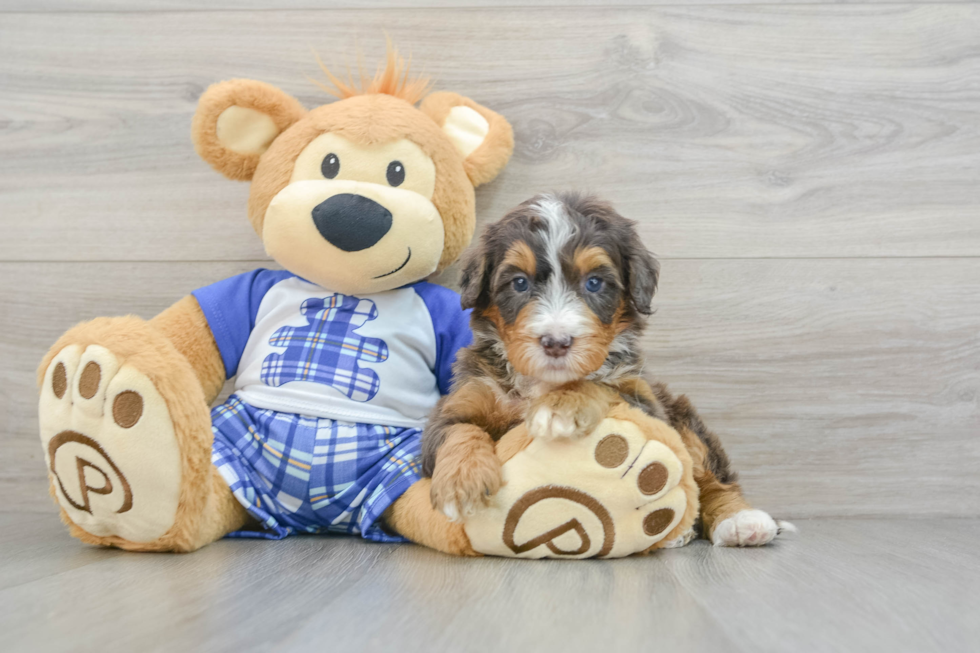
[110, 446]
[613, 493]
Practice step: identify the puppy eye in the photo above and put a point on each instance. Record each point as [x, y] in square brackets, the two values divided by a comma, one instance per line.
[594, 284]
[396, 173]
[330, 166]
[520, 284]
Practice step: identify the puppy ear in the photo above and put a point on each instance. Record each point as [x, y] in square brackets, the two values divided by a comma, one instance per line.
[643, 272]
[483, 138]
[237, 120]
[474, 289]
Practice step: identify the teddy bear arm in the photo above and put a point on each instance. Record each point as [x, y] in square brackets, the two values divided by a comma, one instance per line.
[185, 325]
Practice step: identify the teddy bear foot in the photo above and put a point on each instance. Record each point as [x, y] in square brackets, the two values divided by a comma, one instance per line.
[625, 488]
[110, 446]
[123, 470]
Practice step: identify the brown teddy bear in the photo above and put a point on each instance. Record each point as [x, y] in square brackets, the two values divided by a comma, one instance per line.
[339, 357]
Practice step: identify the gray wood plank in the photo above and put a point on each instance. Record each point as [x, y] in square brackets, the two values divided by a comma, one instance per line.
[128, 6]
[35, 546]
[845, 586]
[840, 585]
[751, 131]
[840, 387]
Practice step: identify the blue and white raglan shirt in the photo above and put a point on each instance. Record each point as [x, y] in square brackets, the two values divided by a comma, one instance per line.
[331, 392]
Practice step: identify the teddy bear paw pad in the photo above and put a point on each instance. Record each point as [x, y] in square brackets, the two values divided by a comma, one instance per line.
[109, 445]
[610, 494]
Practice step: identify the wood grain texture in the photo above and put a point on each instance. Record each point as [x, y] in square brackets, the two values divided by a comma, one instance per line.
[839, 386]
[128, 6]
[746, 131]
[840, 585]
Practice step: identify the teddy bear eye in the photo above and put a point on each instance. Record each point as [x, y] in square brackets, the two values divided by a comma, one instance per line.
[330, 166]
[396, 173]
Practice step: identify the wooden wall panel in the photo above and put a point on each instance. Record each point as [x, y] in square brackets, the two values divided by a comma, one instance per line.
[749, 131]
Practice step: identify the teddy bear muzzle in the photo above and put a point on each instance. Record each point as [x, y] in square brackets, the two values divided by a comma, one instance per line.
[353, 237]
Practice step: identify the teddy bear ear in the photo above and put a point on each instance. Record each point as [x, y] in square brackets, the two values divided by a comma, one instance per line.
[237, 120]
[482, 137]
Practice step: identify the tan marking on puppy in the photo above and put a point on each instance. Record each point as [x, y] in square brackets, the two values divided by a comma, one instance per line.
[591, 349]
[522, 257]
[521, 344]
[476, 403]
[634, 386]
[588, 259]
[718, 500]
[467, 471]
[513, 443]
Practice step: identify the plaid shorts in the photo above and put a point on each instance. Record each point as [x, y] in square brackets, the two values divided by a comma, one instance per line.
[297, 474]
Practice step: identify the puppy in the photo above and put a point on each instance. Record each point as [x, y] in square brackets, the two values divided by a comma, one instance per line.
[560, 289]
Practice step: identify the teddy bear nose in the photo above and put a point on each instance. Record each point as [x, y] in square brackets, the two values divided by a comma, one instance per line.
[351, 222]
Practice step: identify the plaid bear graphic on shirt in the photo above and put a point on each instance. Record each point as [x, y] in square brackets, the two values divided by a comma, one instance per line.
[327, 350]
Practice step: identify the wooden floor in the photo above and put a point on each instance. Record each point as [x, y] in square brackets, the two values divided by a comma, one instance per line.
[807, 171]
[874, 585]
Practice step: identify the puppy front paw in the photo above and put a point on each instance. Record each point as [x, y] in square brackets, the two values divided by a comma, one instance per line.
[464, 480]
[564, 414]
[547, 423]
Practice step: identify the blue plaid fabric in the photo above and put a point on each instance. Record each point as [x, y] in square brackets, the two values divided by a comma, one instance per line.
[327, 350]
[312, 475]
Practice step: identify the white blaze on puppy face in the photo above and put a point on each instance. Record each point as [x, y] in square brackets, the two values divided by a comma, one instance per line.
[559, 312]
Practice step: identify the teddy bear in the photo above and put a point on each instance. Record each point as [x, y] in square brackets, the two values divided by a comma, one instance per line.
[338, 357]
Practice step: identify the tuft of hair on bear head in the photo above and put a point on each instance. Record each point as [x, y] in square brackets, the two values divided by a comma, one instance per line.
[393, 77]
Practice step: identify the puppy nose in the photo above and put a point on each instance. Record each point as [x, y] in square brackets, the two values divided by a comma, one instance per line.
[351, 222]
[556, 347]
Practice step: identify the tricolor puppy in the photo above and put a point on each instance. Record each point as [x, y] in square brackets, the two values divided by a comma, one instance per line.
[560, 289]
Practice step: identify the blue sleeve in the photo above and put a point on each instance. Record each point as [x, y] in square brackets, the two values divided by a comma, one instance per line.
[452, 326]
[230, 307]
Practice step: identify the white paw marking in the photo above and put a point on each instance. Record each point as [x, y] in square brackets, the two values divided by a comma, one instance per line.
[458, 512]
[451, 511]
[746, 528]
[678, 542]
[109, 444]
[546, 424]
